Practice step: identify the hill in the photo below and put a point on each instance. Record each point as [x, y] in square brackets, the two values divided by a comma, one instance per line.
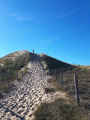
[31, 89]
[62, 109]
[50, 64]
[14, 66]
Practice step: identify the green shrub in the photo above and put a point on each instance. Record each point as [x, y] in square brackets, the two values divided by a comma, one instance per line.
[49, 90]
[59, 110]
[25, 69]
[11, 65]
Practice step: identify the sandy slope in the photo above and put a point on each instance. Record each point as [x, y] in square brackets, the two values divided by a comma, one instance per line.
[28, 94]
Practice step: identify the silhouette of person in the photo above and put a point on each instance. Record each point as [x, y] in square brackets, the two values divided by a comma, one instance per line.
[33, 51]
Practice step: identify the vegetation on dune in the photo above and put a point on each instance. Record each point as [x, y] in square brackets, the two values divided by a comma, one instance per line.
[10, 66]
[49, 90]
[83, 73]
[59, 110]
[69, 86]
[15, 65]
[84, 67]
[50, 63]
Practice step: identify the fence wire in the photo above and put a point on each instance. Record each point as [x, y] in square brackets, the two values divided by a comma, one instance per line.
[76, 82]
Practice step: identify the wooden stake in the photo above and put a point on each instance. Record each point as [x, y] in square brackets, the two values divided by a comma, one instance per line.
[76, 89]
[61, 78]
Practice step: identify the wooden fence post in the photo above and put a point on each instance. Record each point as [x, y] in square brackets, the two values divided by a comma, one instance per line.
[61, 78]
[76, 89]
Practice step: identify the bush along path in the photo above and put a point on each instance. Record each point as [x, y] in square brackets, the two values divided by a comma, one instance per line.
[29, 93]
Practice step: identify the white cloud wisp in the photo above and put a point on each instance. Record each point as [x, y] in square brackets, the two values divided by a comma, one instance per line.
[74, 11]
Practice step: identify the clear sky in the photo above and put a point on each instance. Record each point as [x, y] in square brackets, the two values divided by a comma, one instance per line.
[59, 28]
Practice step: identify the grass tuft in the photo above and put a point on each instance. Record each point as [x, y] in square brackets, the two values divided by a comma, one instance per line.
[49, 90]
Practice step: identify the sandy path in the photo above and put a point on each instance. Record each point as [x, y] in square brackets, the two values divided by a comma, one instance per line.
[29, 93]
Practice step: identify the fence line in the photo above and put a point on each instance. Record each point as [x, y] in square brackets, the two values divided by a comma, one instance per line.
[60, 75]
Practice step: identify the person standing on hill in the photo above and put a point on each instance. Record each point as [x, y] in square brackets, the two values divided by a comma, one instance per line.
[33, 51]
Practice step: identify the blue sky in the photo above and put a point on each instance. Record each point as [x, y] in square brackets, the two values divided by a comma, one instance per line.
[59, 28]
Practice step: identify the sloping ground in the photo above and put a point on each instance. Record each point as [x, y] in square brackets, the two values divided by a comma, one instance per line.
[10, 65]
[69, 85]
[28, 94]
[50, 64]
[60, 109]
[67, 109]
[84, 85]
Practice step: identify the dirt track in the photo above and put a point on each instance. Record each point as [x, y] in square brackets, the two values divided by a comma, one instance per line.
[28, 94]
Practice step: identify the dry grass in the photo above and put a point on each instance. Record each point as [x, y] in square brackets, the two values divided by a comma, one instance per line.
[50, 64]
[49, 90]
[69, 85]
[60, 110]
[11, 66]
[66, 109]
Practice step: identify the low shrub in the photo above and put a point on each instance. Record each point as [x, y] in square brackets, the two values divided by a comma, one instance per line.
[59, 110]
[49, 90]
